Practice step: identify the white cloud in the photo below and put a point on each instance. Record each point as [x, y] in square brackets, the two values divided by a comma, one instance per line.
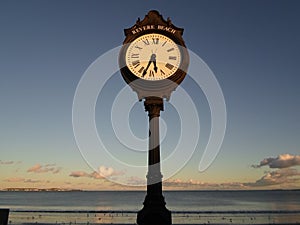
[284, 175]
[280, 176]
[106, 171]
[281, 161]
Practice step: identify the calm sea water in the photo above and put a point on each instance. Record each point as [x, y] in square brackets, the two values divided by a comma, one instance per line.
[188, 207]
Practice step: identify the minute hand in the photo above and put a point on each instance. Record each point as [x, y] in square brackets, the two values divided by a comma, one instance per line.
[154, 63]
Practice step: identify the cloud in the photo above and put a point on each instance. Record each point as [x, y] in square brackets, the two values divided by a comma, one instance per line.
[136, 181]
[106, 171]
[38, 168]
[281, 161]
[102, 172]
[21, 179]
[50, 165]
[284, 175]
[15, 179]
[280, 176]
[95, 175]
[79, 174]
[196, 185]
[9, 162]
[32, 181]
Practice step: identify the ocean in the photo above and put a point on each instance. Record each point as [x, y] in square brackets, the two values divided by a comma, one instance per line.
[120, 207]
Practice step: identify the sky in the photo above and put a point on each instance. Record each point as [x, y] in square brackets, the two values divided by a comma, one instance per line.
[252, 48]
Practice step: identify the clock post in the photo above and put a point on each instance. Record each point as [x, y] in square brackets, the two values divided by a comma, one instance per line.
[154, 211]
[153, 62]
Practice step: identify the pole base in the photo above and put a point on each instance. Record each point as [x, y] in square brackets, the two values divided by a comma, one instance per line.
[4, 213]
[154, 212]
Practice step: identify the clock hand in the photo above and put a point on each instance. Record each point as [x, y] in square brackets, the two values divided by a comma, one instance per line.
[152, 59]
[145, 70]
[155, 68]
[154, 63]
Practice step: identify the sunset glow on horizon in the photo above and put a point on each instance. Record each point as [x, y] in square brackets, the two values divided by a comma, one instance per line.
[251, 47]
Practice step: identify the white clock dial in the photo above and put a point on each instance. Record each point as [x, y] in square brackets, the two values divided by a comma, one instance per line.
[153, 57]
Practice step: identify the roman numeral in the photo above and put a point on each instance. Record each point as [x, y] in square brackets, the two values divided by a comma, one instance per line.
[135, 55]
[162, 72]
[141, 69]
[135, 63]
[169, 66]
[172, 57]
[139, 48]
[146, 42]
[164, 44]
[151, 73]
[155, 41]
[171, 49]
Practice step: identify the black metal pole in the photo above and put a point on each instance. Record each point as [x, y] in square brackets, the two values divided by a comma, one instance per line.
[154, 210]
[4, 216]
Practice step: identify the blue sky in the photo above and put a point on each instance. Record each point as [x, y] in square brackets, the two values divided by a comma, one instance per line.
[251, 46]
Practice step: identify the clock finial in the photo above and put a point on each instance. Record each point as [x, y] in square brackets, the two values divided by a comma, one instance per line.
[169, 22]
[138, 21]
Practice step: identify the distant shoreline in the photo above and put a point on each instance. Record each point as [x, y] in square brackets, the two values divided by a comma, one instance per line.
[39, 190]
[79, 190]
[35, 223]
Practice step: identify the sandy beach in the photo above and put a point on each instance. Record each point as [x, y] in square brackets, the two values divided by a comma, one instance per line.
[54, 218]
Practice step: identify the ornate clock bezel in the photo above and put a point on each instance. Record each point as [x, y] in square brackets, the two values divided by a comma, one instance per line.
[153, 23]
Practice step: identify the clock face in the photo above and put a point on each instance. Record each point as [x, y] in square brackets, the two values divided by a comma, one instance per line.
[153, 57]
